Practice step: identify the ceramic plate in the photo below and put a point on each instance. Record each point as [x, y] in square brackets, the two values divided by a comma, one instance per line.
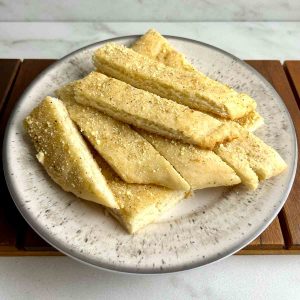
[211, 225]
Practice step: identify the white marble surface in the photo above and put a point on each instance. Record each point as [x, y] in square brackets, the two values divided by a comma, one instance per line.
[238, 277]
[150, 10]
[251, 40]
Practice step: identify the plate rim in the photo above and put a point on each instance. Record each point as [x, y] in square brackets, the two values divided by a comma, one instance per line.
[131, 270]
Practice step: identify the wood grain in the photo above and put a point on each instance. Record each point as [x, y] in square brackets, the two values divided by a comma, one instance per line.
[28, 70]
[33, 242]
[8, 234]
[292, 68]
[274, 73]
[254, 245]
[271, 238]
[8, 71]
[269, 252]
[22, 252]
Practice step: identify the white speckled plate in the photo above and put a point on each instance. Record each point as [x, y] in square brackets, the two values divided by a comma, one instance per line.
[212, 225]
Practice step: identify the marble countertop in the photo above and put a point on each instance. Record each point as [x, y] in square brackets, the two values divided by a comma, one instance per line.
[237, 277]
[247, 40]
[154, 10]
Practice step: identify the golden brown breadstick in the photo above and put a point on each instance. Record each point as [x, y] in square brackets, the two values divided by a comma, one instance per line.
[189, 88]
[139, 204]
[155, 46]
[151, 112]
[200, 168]
[128, 153]
[64, 154]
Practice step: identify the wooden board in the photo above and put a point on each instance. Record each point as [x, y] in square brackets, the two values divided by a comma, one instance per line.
[272, 238]
[292, 68]
[291, 211]
[33, 242]
[13, 235]
[274, 73]
[271, 241]
[29, 69]
[9, 69]
[8, 234]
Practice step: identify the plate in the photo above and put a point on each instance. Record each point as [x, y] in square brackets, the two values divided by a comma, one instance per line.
[211, 225]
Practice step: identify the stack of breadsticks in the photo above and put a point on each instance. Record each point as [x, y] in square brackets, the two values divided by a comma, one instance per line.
[145, 129]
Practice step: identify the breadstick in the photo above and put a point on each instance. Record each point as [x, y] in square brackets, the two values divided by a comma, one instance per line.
[151, 112]
[64, 154]
[189, 88]
[132, 157]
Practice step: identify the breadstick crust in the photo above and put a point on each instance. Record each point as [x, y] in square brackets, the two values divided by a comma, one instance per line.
[64, 154]
[200, 168]
[189, 88]
[239, 162]
[155, 46]
[139, 204]
[151, 112]
[250, 155]
[132, 157]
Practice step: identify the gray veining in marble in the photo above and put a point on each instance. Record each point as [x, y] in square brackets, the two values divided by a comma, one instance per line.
[238, 277]
[247, 40]
[154, 10]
